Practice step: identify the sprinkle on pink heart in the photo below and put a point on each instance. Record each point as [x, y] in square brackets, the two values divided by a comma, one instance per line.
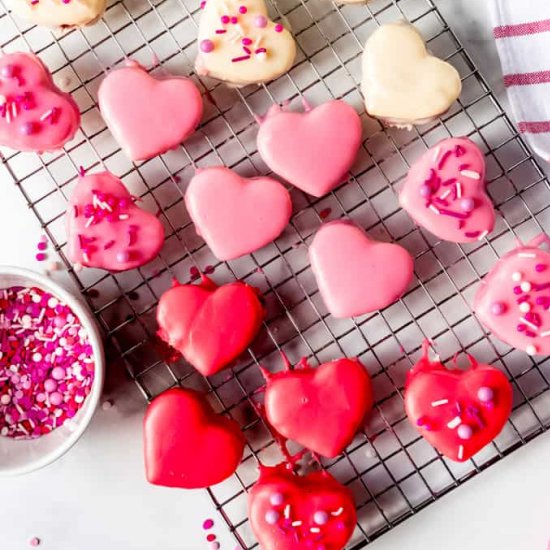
[356, 274]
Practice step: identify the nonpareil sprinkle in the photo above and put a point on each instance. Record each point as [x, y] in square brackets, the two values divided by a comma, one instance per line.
[46, 363]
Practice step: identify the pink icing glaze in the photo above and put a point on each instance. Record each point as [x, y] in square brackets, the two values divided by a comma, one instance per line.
[312, 150]
[106, 229]
[148, 116]
[445, 192]
[356, 274]
[235, 215]
[513, 299]
[34, 114]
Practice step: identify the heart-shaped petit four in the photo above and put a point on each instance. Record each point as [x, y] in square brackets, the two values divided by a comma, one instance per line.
[210, 325]
[445, 192]
[235, 215]
[291, 512]
[457, 411]
[34, 114]
[148, 116]
[105, 229]
[320, 408]
[312, 150]
[239, 44]
[513, 299]
[187, 444]
[403, 83]
[58, 13]
[356, 274]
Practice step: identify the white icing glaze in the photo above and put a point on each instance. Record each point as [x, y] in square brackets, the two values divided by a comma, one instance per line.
[268, 50]
[56, 13]
[402, 83]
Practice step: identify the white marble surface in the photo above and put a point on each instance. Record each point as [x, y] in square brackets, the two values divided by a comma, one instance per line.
[96, 496]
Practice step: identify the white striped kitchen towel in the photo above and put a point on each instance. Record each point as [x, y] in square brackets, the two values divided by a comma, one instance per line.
[522, 33]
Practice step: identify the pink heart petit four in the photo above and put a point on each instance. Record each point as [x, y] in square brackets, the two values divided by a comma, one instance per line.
[513, 299]
[445, 192]
[35, 115]
[148, 116]
[356, 274]
[313, 150]
[105, 229]
[236, 215]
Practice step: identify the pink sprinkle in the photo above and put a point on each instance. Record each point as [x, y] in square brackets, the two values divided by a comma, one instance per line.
[220, 31]
[214, 545]
[234, 20]
[246, 41]
[443, 160]
[42, 245]
[242, 9]
[39, 360]
[242, 58]
[278, 27]
[35, 541]
[225, 19]
[208, 524]
[40, 257]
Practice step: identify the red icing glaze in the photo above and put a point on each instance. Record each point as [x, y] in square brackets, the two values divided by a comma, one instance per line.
[321, 408]
[210, 325]
[293, 503]
[445, 192]
[447, 404]
[513, 300]
[35, 115]
[106, 229]
[186, 444]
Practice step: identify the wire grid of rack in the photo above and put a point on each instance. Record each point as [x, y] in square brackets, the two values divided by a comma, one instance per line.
[392, 472]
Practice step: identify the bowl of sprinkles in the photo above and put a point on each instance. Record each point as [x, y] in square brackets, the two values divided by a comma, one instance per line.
[51, 370]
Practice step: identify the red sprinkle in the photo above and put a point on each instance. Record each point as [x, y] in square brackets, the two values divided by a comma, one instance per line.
[211, 537]
[46, 363]
[325, 213]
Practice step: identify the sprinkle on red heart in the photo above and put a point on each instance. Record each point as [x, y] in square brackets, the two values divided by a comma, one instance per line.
[210, 325]
[186, 444]
[457, 411]
[291, 512]
[321, 408]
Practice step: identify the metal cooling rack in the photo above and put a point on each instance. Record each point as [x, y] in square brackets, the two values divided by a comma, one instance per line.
[392, 472]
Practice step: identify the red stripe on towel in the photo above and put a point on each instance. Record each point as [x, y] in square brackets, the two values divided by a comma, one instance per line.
[525, 79]
[523, 29]
[540, 127]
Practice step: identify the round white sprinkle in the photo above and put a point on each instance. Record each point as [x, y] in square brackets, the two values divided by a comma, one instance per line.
[530, 349]
[516, 276]
[5, 399]
[37, 357]
[525, 286]
[36, 298]
[52, 302]
[4, 431]
[524, 307]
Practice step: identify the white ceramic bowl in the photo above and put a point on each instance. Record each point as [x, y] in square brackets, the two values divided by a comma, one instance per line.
[23, 456]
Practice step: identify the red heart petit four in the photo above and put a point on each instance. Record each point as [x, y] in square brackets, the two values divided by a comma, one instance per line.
[321, 408]
[457, 411]
[188, 445]
[291, 512]
[210, 325]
